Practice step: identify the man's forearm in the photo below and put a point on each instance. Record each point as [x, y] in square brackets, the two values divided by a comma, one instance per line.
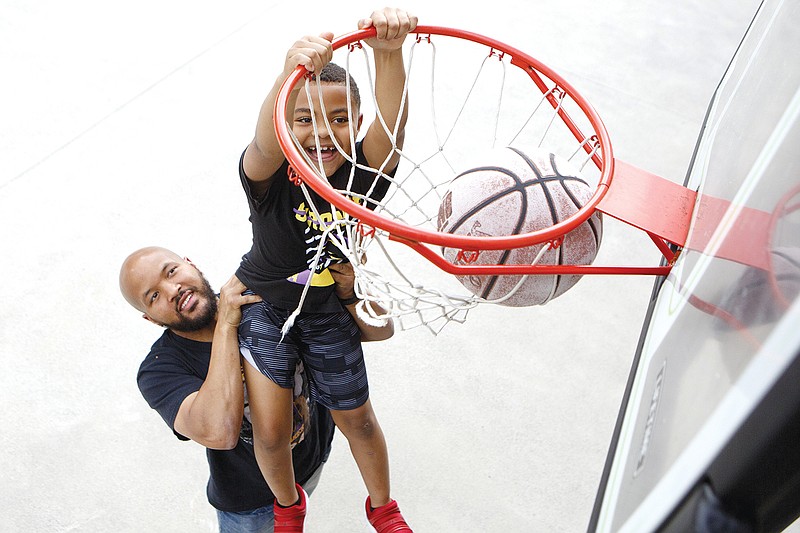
[215, 415]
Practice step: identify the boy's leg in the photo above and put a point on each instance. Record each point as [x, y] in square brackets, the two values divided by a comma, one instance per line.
[334, 361]
[271, 414]
[368, 446]
[269, 372]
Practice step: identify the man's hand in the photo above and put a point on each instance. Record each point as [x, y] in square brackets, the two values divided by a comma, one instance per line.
[231, 300]
[345, 278]
[391, 27]
[377, 329]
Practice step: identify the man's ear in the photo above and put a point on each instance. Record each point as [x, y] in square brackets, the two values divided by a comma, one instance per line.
[360, 120]
[152, 321]
[188, 260]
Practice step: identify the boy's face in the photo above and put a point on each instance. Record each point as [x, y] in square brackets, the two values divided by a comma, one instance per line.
[335, 97]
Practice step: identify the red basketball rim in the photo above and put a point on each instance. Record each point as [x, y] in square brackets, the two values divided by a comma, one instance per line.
[399, 230]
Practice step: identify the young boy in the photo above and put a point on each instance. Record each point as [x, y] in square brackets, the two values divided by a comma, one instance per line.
[285, 240]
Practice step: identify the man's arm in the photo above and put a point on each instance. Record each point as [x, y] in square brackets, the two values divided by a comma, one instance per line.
[344, 277]
[392, 26]
[263, 157]
[212, 416]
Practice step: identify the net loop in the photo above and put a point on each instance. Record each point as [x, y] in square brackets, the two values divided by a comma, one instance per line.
[293, 176]
[499, 54]
[365, 230]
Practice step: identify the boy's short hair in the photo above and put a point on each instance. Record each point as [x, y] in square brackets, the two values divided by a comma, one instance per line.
[333, 73]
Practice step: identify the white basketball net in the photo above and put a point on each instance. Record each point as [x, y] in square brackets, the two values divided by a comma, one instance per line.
[475, 100]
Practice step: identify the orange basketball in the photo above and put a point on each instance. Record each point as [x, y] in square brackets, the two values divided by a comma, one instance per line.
[513, 193]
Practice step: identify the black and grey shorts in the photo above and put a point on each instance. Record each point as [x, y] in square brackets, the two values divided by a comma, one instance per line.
[329, 344]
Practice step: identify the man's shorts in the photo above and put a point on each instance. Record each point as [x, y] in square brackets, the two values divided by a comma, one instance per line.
[329, 344]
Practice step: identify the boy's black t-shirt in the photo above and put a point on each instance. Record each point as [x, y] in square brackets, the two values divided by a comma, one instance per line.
[175, 368]
[286, 235]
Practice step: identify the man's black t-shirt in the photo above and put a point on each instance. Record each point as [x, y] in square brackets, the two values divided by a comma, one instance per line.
[175, 368]
[287, 232]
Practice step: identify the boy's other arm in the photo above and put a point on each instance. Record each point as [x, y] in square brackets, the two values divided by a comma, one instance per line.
[391, 26]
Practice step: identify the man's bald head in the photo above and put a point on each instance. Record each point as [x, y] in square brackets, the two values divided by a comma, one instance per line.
[137, 265]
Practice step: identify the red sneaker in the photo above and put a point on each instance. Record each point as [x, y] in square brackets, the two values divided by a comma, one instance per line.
[387, 518]
[290, 519]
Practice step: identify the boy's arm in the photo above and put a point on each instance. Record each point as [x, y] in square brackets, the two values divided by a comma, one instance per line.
[392, 26]
[212, 416]
[263, 157]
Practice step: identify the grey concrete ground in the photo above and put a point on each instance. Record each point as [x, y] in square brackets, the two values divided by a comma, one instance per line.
[121, 127]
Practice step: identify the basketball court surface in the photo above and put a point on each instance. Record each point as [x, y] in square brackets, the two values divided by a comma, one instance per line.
[606, 409]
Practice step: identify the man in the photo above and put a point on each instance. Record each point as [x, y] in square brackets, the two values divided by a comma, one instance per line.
[193, 378]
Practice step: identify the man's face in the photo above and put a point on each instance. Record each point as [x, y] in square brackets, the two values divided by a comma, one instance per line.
[171, 292]
[341, 126]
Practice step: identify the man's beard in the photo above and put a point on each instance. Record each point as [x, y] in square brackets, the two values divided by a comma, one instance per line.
[186, 324]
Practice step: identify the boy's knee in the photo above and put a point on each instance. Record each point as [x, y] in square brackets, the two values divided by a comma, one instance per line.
[358, 422]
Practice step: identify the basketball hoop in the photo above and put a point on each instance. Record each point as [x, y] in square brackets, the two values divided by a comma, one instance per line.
[555, 117]
[597, 146]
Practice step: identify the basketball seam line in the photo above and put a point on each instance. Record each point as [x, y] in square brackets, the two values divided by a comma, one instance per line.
[553, 214]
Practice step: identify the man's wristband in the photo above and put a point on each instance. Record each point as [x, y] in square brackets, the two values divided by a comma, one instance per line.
[349, 301]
